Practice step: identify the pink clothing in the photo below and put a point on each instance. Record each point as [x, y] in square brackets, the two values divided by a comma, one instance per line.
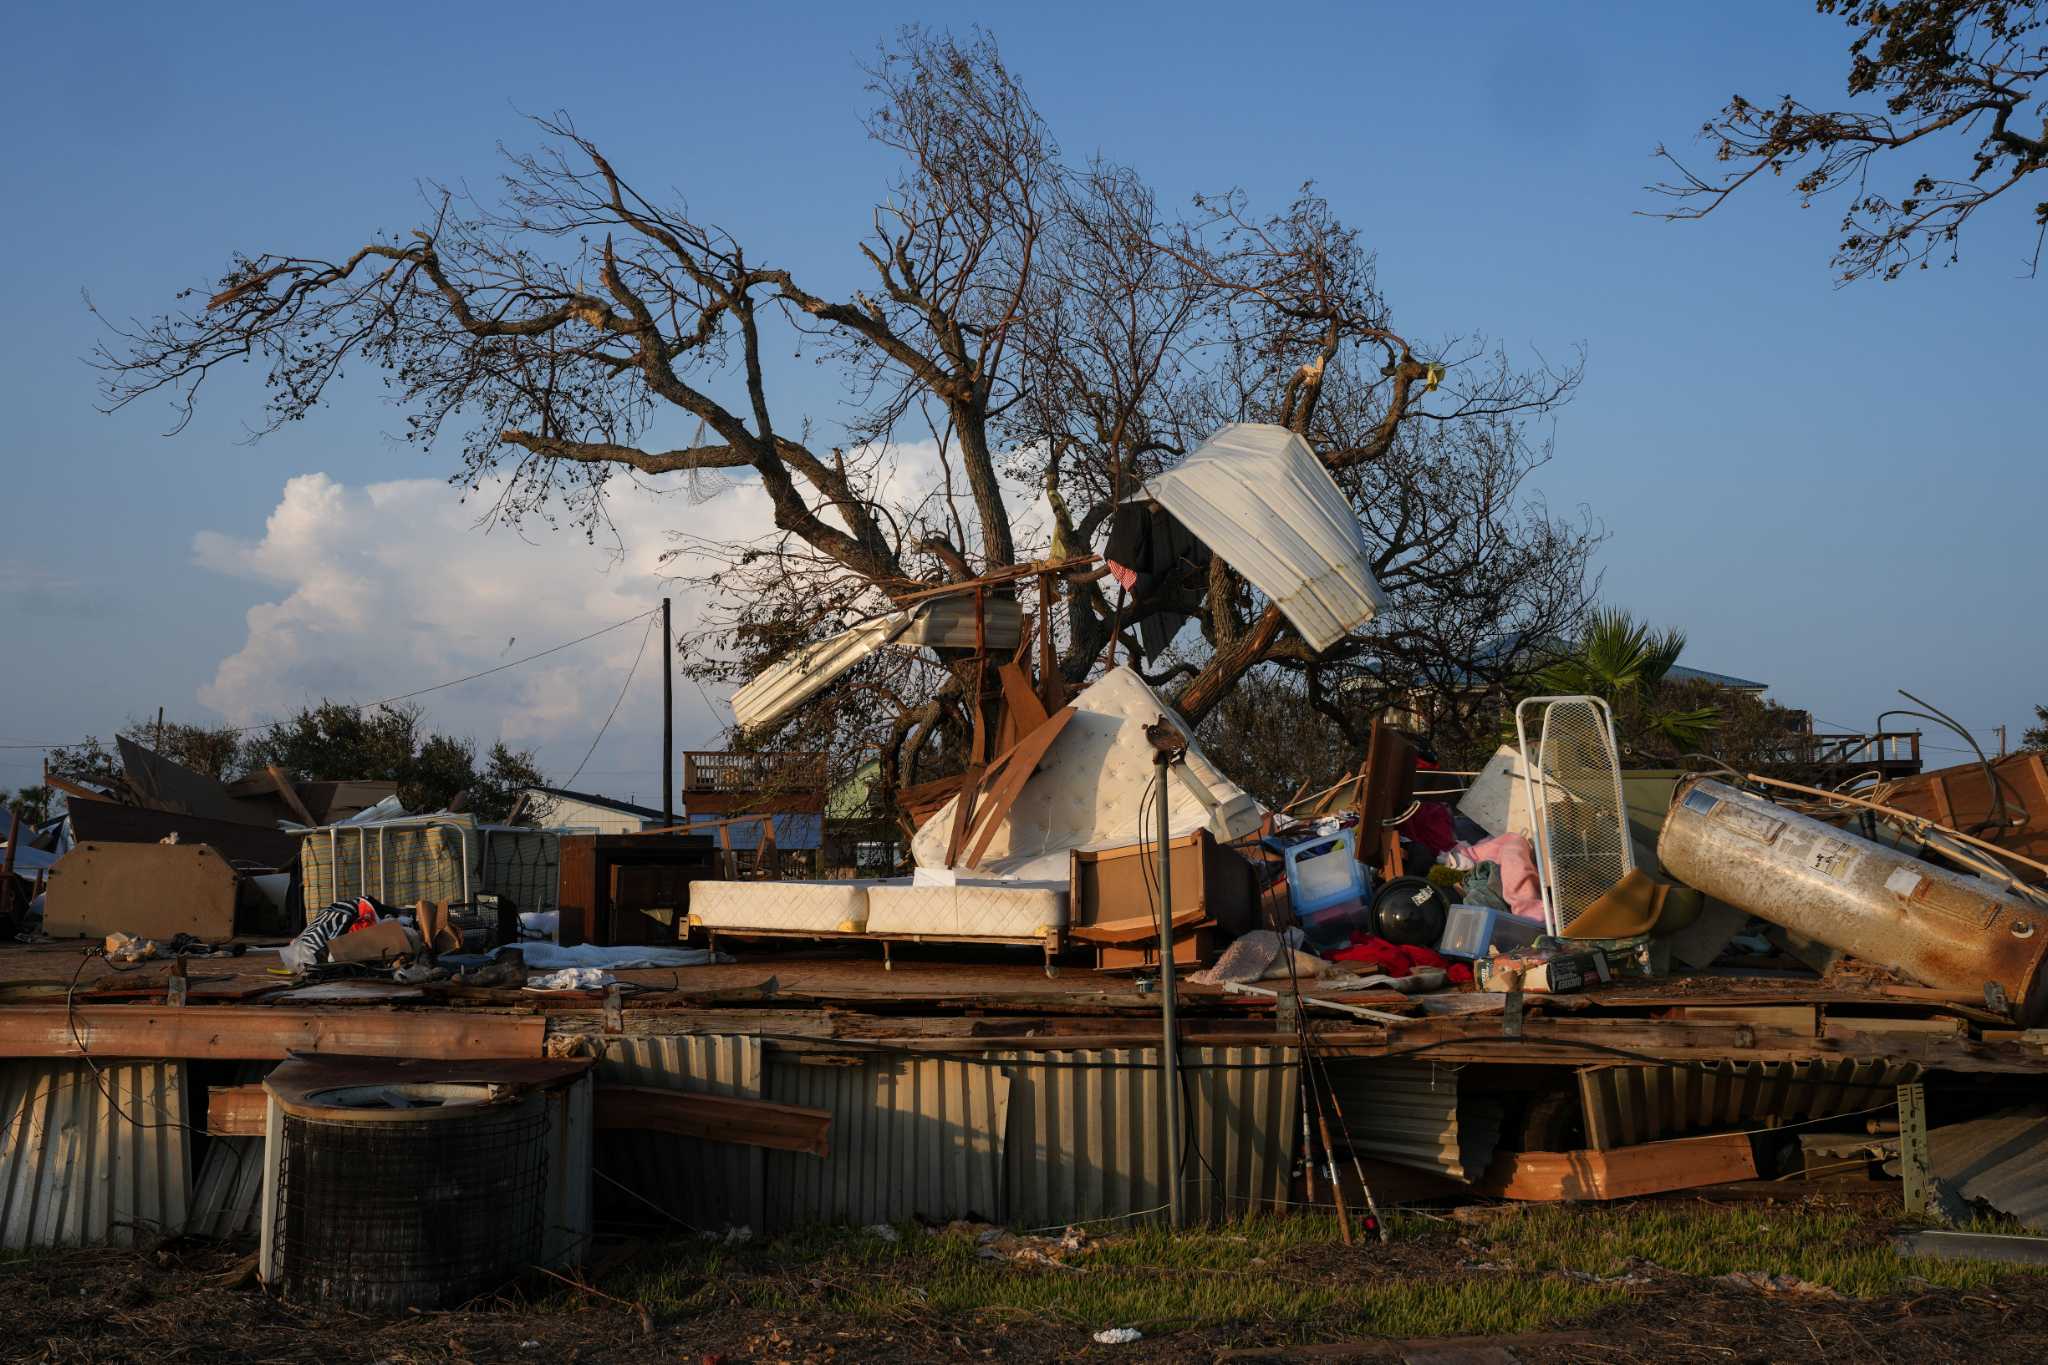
[1517, 861]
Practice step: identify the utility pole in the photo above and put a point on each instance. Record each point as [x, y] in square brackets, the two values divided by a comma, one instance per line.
[668, 720]
[2001, 741]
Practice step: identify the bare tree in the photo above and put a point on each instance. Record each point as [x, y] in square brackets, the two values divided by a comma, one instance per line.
[1959, 70]
[1045, 326]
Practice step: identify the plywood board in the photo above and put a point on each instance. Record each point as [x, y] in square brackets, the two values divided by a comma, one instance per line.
[149, 890]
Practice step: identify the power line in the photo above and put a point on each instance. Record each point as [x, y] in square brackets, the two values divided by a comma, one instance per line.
[421, 692]
[645, 636]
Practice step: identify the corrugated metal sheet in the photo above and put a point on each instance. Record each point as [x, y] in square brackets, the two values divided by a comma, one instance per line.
[700, 1184]
[948, 623]
[1417, 1115]
[1257, 495]
[790, 682]
[227, 1198]
[85, 1166]
[911, 1137]
[2000, 1161]
[1087, 1133]
[1626, 1105]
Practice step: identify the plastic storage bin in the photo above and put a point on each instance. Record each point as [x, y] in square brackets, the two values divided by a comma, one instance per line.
[1472, 931]
[1327, 887]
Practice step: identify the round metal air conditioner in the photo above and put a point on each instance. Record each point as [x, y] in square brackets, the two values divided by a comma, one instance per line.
[412, 1191]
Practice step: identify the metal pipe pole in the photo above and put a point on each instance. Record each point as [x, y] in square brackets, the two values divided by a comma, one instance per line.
[1171, 1043]
[668, 720]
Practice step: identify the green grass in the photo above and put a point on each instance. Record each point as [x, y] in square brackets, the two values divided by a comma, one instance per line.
[1846, 1251]
[1547, 1265]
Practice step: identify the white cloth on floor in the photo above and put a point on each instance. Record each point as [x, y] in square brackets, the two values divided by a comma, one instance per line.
[571, 979]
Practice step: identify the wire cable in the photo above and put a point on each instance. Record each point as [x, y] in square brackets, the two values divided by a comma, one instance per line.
[419, 692]
[645, 635]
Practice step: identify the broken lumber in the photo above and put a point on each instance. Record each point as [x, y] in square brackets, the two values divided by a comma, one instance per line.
[1622, 1172]
[715, 1118]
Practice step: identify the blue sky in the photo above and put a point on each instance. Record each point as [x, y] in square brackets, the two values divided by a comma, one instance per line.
[1834, 490]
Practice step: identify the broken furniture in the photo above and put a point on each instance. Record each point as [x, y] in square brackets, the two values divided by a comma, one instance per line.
[1212, 881]
[631, 888]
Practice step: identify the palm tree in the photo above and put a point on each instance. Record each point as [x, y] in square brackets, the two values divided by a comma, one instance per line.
[1623, 661]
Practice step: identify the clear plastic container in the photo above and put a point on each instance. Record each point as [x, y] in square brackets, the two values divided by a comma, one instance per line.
[1472, 931]
[1321, 872]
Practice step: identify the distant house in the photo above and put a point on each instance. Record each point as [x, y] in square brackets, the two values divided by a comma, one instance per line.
[559, 808]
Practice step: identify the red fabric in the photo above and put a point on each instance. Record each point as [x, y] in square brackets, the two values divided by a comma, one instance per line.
[1127, 579]
[366, 915]
[1432, 827]
[1396, 959]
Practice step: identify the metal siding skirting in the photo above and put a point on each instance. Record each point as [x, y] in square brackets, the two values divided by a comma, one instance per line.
[708, 1185]
[1626, 1105]
[2001, 1161]
[1087, 1134]
[227, 1197]
[911, 1137]
[1412, 1114]
[83, 1166]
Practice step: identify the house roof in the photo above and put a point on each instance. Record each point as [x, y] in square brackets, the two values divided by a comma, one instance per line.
[593, 799]
[1680, 673]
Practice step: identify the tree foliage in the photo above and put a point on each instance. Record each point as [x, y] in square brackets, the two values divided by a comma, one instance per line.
[331, 741]
[335, 741]
[2036, 735]
[1042, 322]
[1624, 661]
[1944, 89]
[31, 803]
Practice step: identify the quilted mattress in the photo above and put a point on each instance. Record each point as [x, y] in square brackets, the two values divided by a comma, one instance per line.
[1088, 790]
[815, 907]
[970, 909]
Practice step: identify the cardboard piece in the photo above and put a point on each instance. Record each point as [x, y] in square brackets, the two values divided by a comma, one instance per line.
[437, 933]
[380, 942]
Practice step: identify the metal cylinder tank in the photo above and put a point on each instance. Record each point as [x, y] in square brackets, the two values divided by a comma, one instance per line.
[1924, 923]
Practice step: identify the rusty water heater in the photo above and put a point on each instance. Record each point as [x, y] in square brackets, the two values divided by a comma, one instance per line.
[1928, 925]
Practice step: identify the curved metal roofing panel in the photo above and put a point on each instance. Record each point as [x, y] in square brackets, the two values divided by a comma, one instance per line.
[1257, 495]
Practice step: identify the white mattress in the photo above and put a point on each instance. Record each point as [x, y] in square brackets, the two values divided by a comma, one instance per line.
[1086, 792]
[814, 907]
[969, 908]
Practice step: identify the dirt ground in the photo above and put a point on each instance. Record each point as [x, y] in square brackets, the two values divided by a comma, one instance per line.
[828, 1300]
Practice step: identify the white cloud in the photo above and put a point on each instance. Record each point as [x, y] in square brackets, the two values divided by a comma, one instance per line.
[390, 587]
[384, 588]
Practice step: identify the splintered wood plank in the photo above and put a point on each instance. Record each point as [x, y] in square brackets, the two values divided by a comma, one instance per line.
[715, 1118]
[262, 1032]
[963, 810]
[1622, 1172]
[1027, 710]
[236, 1110]
[1023, 761]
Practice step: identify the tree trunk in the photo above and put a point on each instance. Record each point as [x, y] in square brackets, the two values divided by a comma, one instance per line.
[1229, 663]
